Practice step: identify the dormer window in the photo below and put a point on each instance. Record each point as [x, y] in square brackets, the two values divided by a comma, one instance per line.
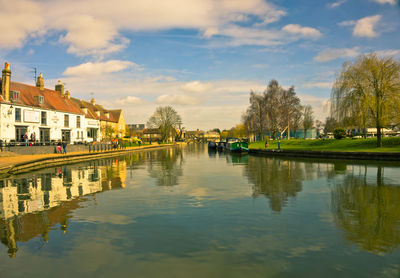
[40, 99]
[15, 95]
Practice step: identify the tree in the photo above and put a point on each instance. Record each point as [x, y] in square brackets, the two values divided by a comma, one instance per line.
[289, 103]
[255, 118]
[167, 120]
[367, 92]
[330, 125]
[308, 119]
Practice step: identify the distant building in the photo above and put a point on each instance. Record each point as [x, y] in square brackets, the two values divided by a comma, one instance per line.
[135, 127]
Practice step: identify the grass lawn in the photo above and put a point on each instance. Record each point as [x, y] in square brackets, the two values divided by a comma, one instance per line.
[390, 144]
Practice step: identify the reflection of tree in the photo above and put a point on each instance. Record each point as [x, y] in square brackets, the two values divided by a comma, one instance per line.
[369, 214]
[166, 166]
[275, 179]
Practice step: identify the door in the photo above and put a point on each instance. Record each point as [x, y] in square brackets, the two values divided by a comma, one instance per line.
[19, 133]
[44, 135]
[66, 136]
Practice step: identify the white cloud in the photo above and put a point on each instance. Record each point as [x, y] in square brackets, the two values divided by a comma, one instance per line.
[365, 27]
[389, 53]
[391, 2]
[322, 85]
[336, 4]
[347, 23]
[95, 69]
[179, 100]
[96, 32]
[20, 20]
[129, 100]
[336, 53]
[88, 36]
[302, 31]
[196, 87]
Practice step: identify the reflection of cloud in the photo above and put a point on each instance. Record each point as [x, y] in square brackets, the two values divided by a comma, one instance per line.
[301, 251]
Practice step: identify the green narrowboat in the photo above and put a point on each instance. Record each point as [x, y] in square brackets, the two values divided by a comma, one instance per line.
[237, 146]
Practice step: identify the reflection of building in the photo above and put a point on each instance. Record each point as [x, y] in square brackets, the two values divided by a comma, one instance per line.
[31, 205]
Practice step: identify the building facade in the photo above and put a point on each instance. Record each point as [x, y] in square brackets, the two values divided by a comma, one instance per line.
[46, 116]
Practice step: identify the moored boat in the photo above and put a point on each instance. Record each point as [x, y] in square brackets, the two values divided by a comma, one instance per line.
[212, 145]
[235, 145]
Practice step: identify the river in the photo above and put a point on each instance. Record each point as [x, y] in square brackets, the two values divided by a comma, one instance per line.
[188, 212]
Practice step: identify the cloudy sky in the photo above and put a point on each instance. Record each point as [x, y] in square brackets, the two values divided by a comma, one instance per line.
[200, 56]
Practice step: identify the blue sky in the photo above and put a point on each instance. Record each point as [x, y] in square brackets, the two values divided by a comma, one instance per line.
[201, 57]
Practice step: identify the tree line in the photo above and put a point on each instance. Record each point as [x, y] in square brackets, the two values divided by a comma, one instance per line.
[277, 111]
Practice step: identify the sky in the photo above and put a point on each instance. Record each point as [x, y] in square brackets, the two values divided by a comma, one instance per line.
[202, 57]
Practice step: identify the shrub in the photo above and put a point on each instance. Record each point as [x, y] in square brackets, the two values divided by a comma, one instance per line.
[339, 133]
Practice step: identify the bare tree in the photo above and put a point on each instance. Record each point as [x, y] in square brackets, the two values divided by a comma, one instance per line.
[367, 92]
[167, 120]
[255, 118]
[308, 119]
[272, 101]
[289, 103]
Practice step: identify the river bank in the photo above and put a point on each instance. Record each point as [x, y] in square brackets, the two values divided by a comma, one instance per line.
[390, 145]
[386, 156]
[13, 163]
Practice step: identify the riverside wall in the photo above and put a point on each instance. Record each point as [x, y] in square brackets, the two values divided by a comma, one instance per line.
[329, 154]
[50, 160]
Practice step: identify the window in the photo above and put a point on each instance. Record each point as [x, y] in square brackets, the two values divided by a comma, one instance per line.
[17, 114]
[41, 99]
[15, 95]
[78, 121]
[66, 120]
[43, 117]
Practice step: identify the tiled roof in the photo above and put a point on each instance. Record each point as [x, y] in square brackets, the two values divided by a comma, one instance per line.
[92, 108]
[53, 100]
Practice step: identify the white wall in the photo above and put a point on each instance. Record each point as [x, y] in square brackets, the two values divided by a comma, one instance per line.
[55, 121]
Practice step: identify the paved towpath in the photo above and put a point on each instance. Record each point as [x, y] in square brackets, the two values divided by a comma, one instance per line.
[9, 160]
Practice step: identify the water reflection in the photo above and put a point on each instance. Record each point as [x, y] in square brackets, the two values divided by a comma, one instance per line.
[367, 209]
[32, 204]
[278, 180]
[166, 165]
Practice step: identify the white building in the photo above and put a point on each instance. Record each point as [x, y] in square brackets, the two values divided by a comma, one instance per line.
[49, 114]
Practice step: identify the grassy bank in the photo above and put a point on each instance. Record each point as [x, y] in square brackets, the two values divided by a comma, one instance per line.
[390, 144]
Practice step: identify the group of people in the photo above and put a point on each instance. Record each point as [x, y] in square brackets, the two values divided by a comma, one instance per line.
[63, 145]
[25, 139]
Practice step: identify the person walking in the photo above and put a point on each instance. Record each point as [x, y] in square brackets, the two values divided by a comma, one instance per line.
[26, 138]
[59, 146]
[266, 143]
[64, 145]
[34, 138]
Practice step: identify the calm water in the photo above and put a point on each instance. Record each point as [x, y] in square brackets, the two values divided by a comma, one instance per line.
[185, 212]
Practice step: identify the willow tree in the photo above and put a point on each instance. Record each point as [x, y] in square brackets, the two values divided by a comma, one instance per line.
[166, 120]
[367, 92]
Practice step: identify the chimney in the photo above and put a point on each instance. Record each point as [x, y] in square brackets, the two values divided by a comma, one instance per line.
[5, 82]
[59, 87]
[40, 82]
[92, 101]
[67, 95]
[83, 107]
